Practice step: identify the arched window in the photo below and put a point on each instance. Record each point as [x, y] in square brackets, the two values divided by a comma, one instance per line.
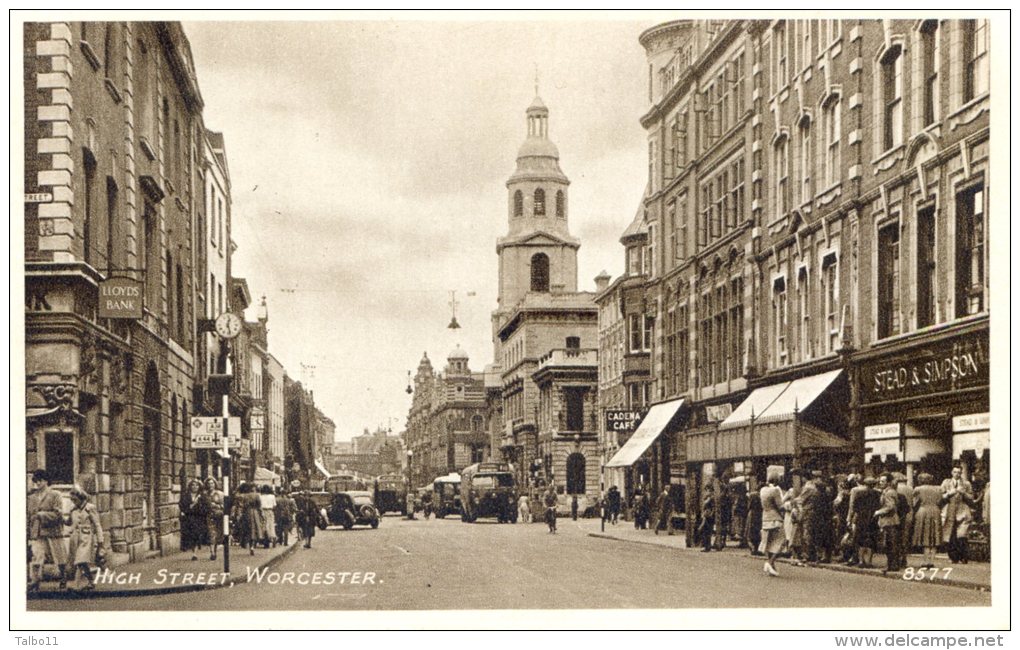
[518, 203]
[540, 202]
[540, 272]
[575, 473]
[560, 204]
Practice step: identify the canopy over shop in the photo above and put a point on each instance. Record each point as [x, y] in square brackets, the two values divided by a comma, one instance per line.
[661, 418]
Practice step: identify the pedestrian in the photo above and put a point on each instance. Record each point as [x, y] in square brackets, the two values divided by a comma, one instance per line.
[213, 508]
[927, 517]
[642, 510]
[614, 504]
[284, 516]
[772, 533]
[863, 523]
[267, 502]
[753, 526]
[841, 518]
[524, 509]
[409, 500]
[739, 514]
[46, 530]
[958, 499]
[306, 516]
[193, 518]
[723, 513]
[87, 546]
[905, 511]
[573, 507]
[889, 521]
[812, 515]
[664, 512]
[550, 508]
[708, 506]
[792, 525]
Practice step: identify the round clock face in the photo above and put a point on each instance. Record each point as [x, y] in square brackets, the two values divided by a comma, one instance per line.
[228, 325]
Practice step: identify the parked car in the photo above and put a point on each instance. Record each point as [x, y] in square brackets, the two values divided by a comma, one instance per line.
[349, 509]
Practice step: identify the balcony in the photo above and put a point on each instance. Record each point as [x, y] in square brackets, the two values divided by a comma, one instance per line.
[570, 358]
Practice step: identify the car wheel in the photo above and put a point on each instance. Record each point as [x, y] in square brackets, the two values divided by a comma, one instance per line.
[375, 523]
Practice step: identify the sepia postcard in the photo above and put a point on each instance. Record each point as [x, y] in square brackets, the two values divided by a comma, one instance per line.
[519, 320]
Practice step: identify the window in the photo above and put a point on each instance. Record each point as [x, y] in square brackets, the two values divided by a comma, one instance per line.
[892, 98]
[561, 203]
[636, 334]
[573, 342]
[177, 153]
[211, 301]
[650, 252]
[149, 246]
[649, 331]
[540, 202]
[109, 57]
[682, 215]
[682, 356]
[831, 31]
[889, 280]
[540, 272]
[518, 203]
[779, 319]
[720, 342]
[672, 253]
[706, 213]
[830, 298]
[651, 163]
[782, 171]
[705, 358]
[682, 142]
[736, 202]
[736, 345]
[804, 309]
[145, 115]
[574, 398]
[807, 51]
[740, 99]
[111, 223]
[181, 331]
[716, 210]
[89, 163]
[634, 257]
[171, 304]
[930, 71]
[60, 457]
[833, 132]
[805, 161]
[779, 50]
[975, 51]
[970, 251]
[926, 267]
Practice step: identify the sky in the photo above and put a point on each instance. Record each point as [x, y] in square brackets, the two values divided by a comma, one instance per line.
[368, 162]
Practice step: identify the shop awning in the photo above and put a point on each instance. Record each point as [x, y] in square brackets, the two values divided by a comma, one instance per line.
[265, 476]
[658, 418]
[322, 468]
[780, 401]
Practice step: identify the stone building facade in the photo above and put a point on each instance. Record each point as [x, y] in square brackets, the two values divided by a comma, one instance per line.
[113, 127]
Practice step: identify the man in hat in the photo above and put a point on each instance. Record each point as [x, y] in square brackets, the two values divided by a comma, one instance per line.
[46, 530]
[863, 521]
[813, 498]
[957, 495]
[905, 509]
[889, 521]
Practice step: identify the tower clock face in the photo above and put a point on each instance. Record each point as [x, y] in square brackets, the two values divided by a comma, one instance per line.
[228, 325]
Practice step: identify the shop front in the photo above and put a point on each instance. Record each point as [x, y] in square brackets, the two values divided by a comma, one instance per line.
[646, 455]
[924, 404]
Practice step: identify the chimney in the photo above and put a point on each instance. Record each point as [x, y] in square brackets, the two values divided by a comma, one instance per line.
[602, 281]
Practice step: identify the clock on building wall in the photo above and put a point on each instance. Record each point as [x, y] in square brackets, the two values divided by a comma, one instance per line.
[228, 325]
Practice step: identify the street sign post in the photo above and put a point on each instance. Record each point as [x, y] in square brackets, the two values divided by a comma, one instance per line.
[206, 432]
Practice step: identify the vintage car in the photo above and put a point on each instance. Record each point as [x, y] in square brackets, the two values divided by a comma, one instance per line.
[349, 509]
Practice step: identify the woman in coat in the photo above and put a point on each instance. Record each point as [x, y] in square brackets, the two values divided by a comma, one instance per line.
[267, 503]
[753, 526]
[193, 518]
[772, 534]
[927, 517]
[252, 514]
[86, 537]
[213, 499]
[284, 516]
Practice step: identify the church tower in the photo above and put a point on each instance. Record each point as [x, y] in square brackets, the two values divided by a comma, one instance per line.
[538, 254]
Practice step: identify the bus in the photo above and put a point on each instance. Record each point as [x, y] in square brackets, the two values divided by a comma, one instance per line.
[345, 483]
[488, 490]
[447, 495]
[391, 494]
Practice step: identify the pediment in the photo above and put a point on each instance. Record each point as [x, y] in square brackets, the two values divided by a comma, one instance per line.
[538, 238]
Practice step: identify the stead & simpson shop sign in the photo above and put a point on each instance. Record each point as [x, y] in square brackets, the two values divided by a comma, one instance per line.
[953, 364]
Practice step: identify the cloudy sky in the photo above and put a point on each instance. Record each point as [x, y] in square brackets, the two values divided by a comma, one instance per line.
[368, 161]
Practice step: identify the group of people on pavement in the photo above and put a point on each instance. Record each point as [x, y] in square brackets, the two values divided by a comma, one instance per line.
[845, 518]
[76, 545]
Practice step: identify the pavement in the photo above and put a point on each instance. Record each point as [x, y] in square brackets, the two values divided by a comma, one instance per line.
[451, 565]
[173, 573]
[973, 575]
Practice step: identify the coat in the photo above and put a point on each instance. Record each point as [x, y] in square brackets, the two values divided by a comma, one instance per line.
[771, 498]
[888, 512]
[86, 534]
[48, 514]
[956, 512]
[927, 516]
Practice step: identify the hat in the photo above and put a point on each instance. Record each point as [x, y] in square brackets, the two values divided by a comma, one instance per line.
[78, 493]
[870, 481]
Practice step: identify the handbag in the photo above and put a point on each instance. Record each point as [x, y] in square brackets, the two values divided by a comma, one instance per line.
[101, 556]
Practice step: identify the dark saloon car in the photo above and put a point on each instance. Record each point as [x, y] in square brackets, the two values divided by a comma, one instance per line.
[349, 509]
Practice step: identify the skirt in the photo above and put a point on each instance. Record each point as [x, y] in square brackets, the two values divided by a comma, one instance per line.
[928, 527]
[772, 540]
[270, 523]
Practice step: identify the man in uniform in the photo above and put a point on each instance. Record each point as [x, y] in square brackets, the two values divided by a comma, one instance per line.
[46, 530]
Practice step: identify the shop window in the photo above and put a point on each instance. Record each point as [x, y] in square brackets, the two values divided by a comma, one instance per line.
[970, 251]
[926, 267]
[889, 280]
[60, 457]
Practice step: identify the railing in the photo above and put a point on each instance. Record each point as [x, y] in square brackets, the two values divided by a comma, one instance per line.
[570, 357]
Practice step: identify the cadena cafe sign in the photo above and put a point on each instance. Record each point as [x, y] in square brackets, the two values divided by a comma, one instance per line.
[120, 298]
[945, 366]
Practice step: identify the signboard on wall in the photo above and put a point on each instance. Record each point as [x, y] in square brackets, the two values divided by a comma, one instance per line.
[623, 420]
[120, 298]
